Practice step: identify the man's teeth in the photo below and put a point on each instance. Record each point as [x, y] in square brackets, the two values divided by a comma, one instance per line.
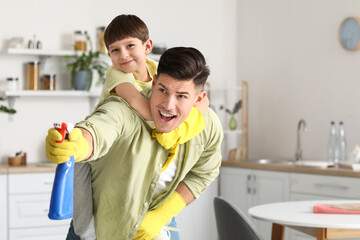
[166, 115]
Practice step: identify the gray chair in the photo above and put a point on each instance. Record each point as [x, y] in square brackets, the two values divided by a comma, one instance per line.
[232, 223]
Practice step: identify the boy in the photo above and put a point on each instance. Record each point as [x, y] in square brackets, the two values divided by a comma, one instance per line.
[128, 43]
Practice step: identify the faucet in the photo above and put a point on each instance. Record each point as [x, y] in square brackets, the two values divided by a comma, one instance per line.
[298, 154]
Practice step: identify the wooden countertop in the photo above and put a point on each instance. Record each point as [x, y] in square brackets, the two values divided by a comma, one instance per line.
[333, 171]
[29, 168]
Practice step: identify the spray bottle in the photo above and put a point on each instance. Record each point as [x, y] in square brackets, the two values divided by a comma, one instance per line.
[61, 203]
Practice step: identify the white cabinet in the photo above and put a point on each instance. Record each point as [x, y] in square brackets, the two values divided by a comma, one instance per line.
[29, 199]
[316, 187]
[3, 206]
[246, 188]
[197, 220]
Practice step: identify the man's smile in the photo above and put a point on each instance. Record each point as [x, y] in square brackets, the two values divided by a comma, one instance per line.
[166, 116]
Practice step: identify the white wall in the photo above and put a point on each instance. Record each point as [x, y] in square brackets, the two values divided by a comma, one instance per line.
[290, 53]
[209, 26]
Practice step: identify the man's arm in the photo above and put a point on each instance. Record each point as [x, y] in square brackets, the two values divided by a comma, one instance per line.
[185, 193]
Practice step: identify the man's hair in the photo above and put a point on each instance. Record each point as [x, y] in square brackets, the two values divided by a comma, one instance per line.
[184, 63]
[124, 26]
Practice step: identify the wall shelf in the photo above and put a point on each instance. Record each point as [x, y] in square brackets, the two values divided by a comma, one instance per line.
[47, 93]
[40, 52]
[12, 95]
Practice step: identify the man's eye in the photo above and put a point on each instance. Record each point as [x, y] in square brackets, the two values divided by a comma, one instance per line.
[162, 90]
[183, 96]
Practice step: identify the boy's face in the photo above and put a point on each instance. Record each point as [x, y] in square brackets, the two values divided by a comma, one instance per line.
[129, 54]
[171, 101]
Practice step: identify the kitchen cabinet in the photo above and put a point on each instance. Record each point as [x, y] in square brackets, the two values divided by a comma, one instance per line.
[28, 200]
[246, 188]
[3, 206]
[315, 187]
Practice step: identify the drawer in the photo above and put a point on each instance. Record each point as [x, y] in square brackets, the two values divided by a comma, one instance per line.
[31, 211]
[48, 233]
[331, 186]
[31, 183]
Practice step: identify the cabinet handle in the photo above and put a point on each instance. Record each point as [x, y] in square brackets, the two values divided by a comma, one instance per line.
[327, 185]
[248, 182]
[254, 185]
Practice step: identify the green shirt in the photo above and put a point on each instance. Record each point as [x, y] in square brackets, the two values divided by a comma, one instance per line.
[127, 161]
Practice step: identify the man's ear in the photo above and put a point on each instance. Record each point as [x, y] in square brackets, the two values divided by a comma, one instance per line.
[200, 97]
[148, 46]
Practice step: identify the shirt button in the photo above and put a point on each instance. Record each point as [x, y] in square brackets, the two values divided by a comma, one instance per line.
[153, 185]
[146, 204]
[137, 226]
[160, 165]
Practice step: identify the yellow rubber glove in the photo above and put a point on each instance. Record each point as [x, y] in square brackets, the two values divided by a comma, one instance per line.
[191, 127]
[76, 146]
[154, 220]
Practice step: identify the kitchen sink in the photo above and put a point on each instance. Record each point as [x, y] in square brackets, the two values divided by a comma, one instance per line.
[271, 161]
[303, 163]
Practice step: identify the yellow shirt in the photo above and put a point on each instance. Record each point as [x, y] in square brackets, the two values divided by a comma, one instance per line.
[115, 77]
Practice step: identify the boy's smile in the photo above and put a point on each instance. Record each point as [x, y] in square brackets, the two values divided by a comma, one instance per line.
[129, 56]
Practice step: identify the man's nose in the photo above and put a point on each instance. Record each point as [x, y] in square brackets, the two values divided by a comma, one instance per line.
[169, 103]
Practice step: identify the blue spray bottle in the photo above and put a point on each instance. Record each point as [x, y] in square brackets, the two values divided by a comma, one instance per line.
[61, 203]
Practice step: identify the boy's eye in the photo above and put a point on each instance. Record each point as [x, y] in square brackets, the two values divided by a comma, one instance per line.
[114, 50]
[131, 45]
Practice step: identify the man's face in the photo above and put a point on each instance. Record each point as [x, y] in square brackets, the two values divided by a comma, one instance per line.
[171, 101]
[129, 54]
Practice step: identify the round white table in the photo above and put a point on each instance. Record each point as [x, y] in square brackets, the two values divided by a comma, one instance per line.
[299, 215]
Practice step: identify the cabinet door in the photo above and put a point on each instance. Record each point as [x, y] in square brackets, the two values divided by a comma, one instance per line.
[236, 186]
[3, 206]
[197, 220]
[269, 187]
[27, 210]
[48, 233]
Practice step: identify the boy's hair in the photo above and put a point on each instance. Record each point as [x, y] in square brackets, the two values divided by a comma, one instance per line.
[124, 26]
[184, 63]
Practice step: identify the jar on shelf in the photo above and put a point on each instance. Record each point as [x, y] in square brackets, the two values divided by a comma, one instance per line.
[80, 41]
[100, 44]
[48, 81]
[12, 83]
[33, 77]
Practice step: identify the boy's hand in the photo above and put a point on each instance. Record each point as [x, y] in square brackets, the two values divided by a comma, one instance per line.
[203, 105]
[76, 146]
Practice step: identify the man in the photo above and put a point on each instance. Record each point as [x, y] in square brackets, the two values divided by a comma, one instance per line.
[133, 197]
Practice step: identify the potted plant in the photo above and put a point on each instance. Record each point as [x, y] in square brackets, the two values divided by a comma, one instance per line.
[236, 108]
[5, 109]
[83, 65]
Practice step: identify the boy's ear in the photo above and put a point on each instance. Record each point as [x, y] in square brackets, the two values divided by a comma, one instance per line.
[148, 46]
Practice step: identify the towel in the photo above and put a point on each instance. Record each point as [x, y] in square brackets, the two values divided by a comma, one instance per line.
[331, 208]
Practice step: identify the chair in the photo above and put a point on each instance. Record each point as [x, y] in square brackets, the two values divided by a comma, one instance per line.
[232, 223]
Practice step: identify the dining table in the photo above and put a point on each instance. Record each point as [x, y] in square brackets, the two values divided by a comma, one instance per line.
[300, 216]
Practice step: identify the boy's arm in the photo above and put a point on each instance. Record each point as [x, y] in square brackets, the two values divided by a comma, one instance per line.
[133, 97]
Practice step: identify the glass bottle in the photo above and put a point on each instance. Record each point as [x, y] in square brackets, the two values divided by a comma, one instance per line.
[100, 45]
[331, 147]
[33, 71]
[80, 41]
[341, 144]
